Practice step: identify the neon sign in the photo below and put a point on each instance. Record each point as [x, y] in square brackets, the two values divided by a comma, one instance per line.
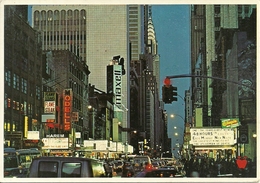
[67, 107]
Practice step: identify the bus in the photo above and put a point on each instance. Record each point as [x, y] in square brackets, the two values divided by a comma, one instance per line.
[17, 162]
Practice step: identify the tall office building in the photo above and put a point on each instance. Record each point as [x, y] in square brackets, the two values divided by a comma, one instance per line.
[96, 33]
[206, 24]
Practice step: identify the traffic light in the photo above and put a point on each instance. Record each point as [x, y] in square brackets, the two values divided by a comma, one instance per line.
[169, 94]
[174, 93]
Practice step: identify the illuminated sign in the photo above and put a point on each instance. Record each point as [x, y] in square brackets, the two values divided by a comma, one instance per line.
[230, 123]
[212, 136]
[49, 107]
[48, 118]
[117, 84]
[75, 116]
[67, 108]
[49, 96]
[49, 102]
[33, 135]
[55, 143]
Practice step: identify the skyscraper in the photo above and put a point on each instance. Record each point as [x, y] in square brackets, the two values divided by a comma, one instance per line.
[96, 33]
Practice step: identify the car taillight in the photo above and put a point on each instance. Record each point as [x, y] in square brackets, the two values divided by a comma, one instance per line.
[149, 167]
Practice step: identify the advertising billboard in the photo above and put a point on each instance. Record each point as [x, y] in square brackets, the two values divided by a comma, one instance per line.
[55, 143]
[212, 136]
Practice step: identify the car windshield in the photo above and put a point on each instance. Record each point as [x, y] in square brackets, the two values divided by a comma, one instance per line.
[10, 162]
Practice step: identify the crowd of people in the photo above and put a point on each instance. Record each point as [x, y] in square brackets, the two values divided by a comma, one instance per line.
[200, 166]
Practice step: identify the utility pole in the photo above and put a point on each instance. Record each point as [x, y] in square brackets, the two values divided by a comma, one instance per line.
[209, 77]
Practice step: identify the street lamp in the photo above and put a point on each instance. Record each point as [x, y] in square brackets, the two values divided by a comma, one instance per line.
[93, 110]
[254, 137]
[173, 115]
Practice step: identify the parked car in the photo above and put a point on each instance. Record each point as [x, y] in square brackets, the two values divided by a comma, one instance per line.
[66, 167]
[128, 170]
[161, 172]
[17, 162]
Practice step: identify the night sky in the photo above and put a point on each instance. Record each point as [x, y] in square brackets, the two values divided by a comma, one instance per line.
[172, 28]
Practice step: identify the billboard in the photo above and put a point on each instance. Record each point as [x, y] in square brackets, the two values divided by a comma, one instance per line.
[114, 84]
[55, 143]
[212, 136]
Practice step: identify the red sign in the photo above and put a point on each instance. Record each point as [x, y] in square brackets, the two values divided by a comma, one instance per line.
[241, 162]
[67, 107]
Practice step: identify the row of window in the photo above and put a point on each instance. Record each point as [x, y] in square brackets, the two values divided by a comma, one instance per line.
[17, 105]
[43, 15]
[58, 22]
[20, 84]
[58, 37]
[11, 127]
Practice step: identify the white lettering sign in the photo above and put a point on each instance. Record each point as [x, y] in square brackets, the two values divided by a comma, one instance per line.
[213, 136]
[55, 143]
[117, 89]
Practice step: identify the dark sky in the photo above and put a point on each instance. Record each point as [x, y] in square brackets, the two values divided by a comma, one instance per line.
[172, 28]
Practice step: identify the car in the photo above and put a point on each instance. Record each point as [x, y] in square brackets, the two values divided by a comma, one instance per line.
[142, 162]
[156, 164]
[161, 172]
[17, 162]
[66, 167]
[128, 170]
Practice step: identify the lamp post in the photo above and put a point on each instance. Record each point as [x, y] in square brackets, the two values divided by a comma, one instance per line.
[176, 134]
[254, 138]
[92, 109]
[173, 115]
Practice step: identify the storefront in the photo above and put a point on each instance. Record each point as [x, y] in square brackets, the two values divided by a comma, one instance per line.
[217, 143]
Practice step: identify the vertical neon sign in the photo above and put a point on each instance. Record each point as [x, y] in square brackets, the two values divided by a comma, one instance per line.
[67, 109]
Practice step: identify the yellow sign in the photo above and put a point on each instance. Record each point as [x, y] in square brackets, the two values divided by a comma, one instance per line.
[230, 123]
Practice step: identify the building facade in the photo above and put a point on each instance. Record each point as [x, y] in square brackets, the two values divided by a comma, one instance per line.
[22, 89]
[220, 34]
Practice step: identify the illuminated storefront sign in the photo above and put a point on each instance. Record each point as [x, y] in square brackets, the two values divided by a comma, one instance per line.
[212, 136]
[67, 108]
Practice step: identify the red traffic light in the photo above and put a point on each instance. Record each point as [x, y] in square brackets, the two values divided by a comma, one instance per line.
[167, 81]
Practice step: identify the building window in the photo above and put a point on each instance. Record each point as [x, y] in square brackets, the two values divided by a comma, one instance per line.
[246, 9]
[14, 81]
[38, 92]
[8, 77]
[24, 85]
[6, 101]
[217, 9]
